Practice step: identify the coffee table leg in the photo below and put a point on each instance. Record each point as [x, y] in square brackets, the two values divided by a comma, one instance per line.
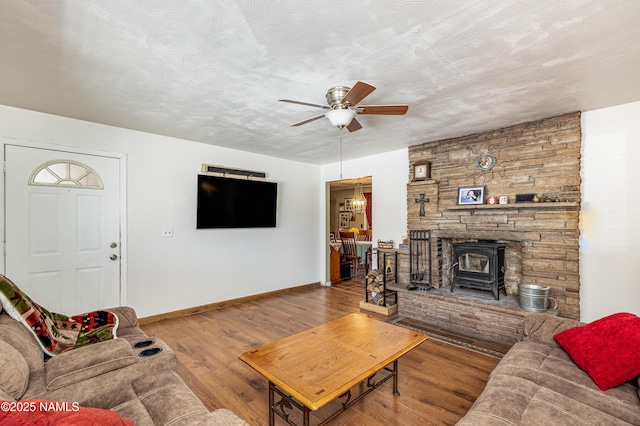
[395, 378]
[272, 415]
[305, 419]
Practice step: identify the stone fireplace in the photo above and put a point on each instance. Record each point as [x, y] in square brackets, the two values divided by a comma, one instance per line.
[541, 239]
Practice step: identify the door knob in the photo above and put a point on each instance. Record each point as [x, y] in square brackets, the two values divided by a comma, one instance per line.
[113, 257]
[113, 245]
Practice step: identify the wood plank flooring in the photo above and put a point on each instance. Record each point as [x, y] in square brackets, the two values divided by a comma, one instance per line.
[497, 349]
[438, 381]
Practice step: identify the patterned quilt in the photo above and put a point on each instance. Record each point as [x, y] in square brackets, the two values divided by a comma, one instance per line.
[56, 333]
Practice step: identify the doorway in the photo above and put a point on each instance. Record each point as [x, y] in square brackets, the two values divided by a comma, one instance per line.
[342, 217]
[63, 227]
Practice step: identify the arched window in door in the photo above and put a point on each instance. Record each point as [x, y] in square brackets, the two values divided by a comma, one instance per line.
[65, 173]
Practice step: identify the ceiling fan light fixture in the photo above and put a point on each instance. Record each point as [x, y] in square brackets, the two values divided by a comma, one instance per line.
[340, 117]
[343, 105]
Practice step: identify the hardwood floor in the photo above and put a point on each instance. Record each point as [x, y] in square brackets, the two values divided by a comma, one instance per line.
[438, 381]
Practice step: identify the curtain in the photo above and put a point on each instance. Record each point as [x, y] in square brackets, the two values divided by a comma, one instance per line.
[367, 196]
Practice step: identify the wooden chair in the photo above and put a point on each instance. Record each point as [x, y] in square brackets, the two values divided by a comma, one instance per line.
[349, 250]
[364, 235]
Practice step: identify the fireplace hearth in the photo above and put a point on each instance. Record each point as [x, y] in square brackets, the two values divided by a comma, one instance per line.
[479, 265]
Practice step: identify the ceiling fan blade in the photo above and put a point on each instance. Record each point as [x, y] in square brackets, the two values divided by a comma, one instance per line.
[305, 103]
[308, 120]
[382, 109]
[358, 92]
[354, 125]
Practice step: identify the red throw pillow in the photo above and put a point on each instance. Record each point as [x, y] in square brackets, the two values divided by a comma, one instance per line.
[608, 349]
[56, 413]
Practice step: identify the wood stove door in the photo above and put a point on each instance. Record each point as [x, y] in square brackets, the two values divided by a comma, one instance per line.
[473, 265]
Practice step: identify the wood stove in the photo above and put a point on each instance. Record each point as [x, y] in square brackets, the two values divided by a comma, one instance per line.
[479, 265]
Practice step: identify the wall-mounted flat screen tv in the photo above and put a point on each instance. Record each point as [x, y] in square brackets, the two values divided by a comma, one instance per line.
[236, 203]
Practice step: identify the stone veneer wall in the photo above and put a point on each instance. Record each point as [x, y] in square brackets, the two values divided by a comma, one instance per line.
[541, 157]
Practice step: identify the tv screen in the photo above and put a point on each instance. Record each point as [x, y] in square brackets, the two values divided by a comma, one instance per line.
[235, 203]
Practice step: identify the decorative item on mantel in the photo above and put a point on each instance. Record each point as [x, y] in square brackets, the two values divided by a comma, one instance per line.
[524, 198]
[470, 195]
[549, 199]
[421, 171]
[492, 200]
[385, 244]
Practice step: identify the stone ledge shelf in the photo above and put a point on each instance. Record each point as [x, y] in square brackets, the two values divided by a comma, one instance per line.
[549, 205]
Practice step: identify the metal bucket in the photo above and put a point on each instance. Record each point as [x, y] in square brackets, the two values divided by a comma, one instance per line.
[535, 298]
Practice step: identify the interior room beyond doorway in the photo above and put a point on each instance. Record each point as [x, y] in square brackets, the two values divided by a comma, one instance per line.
[342, 215]
[345, 216]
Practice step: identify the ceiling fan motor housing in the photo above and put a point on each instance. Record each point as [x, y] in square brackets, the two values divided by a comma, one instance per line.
[335, 96]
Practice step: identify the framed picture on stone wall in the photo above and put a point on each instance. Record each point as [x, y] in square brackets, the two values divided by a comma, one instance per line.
[470, 195]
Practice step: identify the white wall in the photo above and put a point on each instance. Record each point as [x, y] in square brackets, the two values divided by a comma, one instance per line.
[610, 229]
[195, 267]
[389, 176]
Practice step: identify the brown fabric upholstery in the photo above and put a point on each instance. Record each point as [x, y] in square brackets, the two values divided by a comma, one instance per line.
[158, 398]
[542, 327]
[109, 375]
[94, 360]
[5, 396]
[127, 318]
[16, 335]
[16, 383]
[537, 383]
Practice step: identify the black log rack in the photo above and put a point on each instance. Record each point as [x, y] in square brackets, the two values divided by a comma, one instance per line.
[389, 297]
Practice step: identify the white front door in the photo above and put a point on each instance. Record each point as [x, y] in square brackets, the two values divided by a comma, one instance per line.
[62, 228]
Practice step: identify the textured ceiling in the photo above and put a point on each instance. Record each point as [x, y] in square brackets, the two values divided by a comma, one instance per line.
[213, 70]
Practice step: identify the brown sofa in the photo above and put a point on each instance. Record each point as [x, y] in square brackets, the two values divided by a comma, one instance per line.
[112, 375]
[537, 383]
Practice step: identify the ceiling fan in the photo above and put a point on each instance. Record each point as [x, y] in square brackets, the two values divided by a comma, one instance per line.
[343, 106]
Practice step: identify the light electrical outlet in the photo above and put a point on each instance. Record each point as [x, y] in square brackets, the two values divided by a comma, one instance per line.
[167, 232]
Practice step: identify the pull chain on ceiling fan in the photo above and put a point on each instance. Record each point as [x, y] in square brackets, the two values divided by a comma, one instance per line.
[343, 106]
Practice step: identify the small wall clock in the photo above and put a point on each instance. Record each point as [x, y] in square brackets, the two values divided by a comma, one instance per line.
[422, 170]
[486, 161]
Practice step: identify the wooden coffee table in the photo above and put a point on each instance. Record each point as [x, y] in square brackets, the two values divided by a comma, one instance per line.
[310, 369]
